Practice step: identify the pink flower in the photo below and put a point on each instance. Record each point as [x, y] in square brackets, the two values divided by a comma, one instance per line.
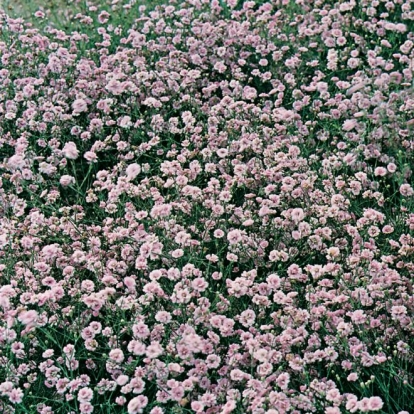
[391, 167]
[130, 283]
[249, 93]
[70, 151]
[234, 236]
[66, 180]
[177, 253]
[213, 361]
[6, 387]
[222, 152]
[136, 347]
[137, 404]
[375, 404]
[125, 122]
[297, 214]
[363, 405]
[16, 162]
[220, 67]
[406, 190]
[294, 271]
[177, 393]
[122, 380]
[197, 406]
[61, 385]
[78, 106]
[387, 229]
[352, 403]
[247, 318]
[154, 350]
[398, 311]
[231, 257]
[237, 375]
[218, 233]
[359, 85]
[69, 349]
[28, 317]
[133, 171]
[349, 125]
[48, 353]
[103, 17]
[358, 316]
[228, 407]
[332, 410]
[85, 394]
[199, 284]
[46, 168]
[39, 14]
[333, 395]
[116, 355]
[163, 317]
[115, 87]
[353, 376]
[16, 395]
[85, 408]
[332, 252]
[380, 171]
[90, 156]
[120, 400]
[283, 380]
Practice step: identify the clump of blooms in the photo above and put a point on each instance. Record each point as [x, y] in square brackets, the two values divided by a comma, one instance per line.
[208, 207]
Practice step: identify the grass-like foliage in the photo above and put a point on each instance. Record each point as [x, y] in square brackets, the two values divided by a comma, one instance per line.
[207, 207]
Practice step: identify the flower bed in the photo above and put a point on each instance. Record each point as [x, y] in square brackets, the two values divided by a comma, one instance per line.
[207, 207]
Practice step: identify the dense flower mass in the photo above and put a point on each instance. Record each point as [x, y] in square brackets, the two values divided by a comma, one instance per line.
[207, 206]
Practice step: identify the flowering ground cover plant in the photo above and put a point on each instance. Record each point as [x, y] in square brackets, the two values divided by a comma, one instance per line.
[207, 207]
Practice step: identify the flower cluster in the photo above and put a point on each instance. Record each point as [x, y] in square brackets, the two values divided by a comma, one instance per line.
[206, 207]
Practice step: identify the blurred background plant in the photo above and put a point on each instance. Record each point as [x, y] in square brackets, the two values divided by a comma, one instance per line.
[60, 13]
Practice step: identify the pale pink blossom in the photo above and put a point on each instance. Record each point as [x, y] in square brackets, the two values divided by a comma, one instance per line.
[380, 171]
[133, 171]
[137, 404]
[283, 380]
[375, 404]
[249, 93]
[16, 162]
[349, 125]
[406, 190]
[85, 408]
[234, 236]
[79, 105]
[28, 317]
[197, 406]
[90, 156]
[16, 395]
[297, 215]
[122, 380]
[353, 376]
[66, 180]
[125, 122]
[85, 394]
[116, 355]
[70, 150]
